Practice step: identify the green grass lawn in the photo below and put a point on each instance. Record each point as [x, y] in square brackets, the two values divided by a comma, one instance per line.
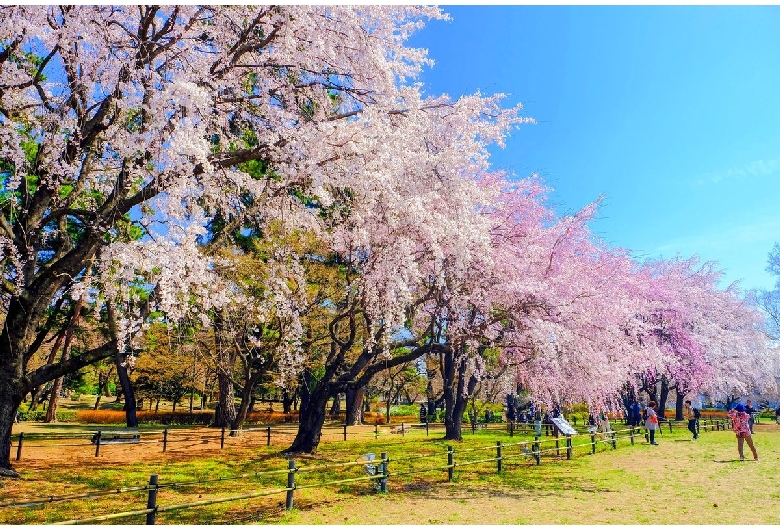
[677, 482]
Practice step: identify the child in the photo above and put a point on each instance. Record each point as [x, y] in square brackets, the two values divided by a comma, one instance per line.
[741, 422]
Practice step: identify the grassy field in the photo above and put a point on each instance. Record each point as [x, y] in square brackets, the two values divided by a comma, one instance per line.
[677, 482]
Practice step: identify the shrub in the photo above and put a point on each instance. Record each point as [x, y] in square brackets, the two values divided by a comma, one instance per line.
[40, 415]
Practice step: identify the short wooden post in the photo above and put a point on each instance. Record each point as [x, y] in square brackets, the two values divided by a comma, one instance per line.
[511, 429]
[268, 436]
[568, 447]
[426, 427]
[345, 432]
[473, 427]
[97, 443]
[19, 447]
[632, 435]
[536, 451]
[383, 480]
[376, 429]
[403, 430]
[612, 435]
[450, 463]
[499, 458]
[222, 439]
[593, 443]
[165, 440]
[557, 444]
[290, 484]
[151, 502]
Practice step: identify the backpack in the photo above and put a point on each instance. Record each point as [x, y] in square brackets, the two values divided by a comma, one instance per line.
[696, 414]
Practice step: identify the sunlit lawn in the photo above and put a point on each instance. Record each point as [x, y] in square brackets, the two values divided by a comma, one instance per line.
[680, 482]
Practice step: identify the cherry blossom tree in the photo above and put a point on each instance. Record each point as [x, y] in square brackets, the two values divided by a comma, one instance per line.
[113, 117]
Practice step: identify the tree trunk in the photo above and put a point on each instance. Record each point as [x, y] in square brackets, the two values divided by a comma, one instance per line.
[13, 393]
[451, 427]
[226, 408]
[335, 409]
[456, 399]
[355, 405]
[127, 390]
[287, 401]
[54, 397]
[679, 406]
[246, 400]
[35, 397]
[311, 420]
[665, 388]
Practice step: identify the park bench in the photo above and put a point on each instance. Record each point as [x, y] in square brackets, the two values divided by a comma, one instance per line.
[117, 437]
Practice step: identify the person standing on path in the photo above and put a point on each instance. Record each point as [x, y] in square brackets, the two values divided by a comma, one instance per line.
[690, 415]
[651, 423]
[739, 419]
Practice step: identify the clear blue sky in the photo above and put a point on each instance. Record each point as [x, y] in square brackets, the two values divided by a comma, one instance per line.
[671, 112]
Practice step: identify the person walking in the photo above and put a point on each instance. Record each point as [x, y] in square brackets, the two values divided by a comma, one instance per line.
[749, 410]
[739, 419]
[690, 415]
[651, 423]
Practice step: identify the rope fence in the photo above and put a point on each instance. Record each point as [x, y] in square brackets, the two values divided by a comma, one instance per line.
[275, 435]
[498, 455]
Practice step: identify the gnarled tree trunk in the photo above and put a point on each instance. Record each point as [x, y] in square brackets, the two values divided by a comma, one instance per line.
[355, 398]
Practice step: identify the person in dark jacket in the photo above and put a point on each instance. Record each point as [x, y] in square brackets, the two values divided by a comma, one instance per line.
[750, 411]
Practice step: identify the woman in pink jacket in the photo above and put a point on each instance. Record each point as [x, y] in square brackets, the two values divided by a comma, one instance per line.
[740, 419]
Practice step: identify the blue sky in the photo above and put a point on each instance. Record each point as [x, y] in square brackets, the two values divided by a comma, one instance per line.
[671, 112]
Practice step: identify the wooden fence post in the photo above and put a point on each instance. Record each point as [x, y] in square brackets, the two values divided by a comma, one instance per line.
[19, 448]
[97, 443]
[151, 502]
[165, 440]
[593, 444]
[511, 429]
[557, 444]
[268, 436]
[345, 432]
[632, 435]
[568, 447]
[535, 448]
[383, 480]
[290, 484]
[376, 429]
[450, 463]
[426, 427]
[499, 458]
